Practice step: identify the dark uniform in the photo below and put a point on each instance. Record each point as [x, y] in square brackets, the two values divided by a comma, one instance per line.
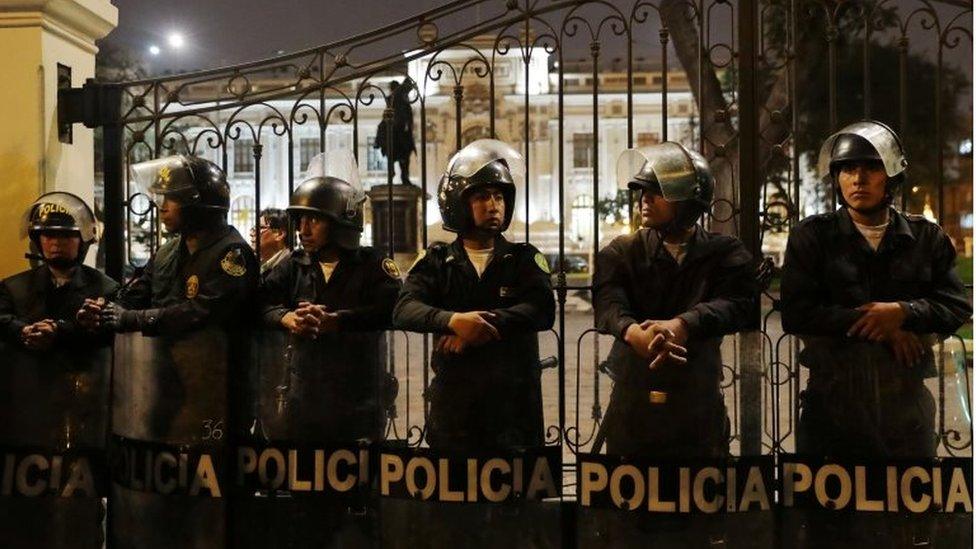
[334, 383]
[54, 401]
[71, 377]
[181, 291]
[859, 401]
[488, 396]
[714, 291]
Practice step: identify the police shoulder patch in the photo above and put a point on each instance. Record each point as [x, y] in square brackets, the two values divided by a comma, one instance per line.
[540, 260]
[233, 263]
[420, 256]
[391, 269]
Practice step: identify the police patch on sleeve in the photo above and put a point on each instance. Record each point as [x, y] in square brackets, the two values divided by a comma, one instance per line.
[391, 269]
[233, 263]
[415, 261]
[540, 260]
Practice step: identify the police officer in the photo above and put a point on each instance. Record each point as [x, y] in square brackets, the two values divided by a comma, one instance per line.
[668, 293]
[206, 274]
[194, 301]
[485, 298]
[54, 388]
[335, 298]
[865, 287]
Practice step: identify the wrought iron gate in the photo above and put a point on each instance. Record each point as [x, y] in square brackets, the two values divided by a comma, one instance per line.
[573, 83]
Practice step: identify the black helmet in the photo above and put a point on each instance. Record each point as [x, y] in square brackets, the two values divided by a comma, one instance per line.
[192, 181]
[679, 174]
[61, 212]
[864, 141]
[483, 163]
[336, 200]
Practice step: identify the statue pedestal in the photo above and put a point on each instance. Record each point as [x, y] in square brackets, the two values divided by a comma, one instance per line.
[406, 224]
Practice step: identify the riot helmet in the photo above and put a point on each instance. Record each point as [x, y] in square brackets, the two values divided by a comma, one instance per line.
[678, 174]
[332, 190]
[336, 200]
[61, 212]
[483, 163]
[194, 182]
[868, 141]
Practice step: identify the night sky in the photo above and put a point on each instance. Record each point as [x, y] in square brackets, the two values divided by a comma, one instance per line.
[225, 32]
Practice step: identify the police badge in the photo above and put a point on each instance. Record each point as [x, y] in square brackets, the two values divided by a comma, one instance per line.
[192, 286]
[391, 269]
[233, 263]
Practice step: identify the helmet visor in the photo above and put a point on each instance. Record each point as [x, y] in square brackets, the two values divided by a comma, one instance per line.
[669, 163]
[476, 155]
[162, 177]
[881, 137]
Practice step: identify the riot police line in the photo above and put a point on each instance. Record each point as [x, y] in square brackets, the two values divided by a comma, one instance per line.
[236, 387]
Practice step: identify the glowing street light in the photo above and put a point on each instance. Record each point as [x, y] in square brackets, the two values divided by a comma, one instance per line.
[154, 49]
[175, 40]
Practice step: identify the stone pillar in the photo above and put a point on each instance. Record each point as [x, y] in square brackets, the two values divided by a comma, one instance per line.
[43, 40]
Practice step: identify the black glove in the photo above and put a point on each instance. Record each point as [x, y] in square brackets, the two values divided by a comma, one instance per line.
[118, 319]
[764, 273]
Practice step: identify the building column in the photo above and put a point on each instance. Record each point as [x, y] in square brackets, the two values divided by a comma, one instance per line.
[47, 42]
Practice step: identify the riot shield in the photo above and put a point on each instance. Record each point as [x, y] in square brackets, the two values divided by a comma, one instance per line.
[303, 471]
[54, 406]
[170, 430]
[660, 468]
[884, 447]
[474, 445]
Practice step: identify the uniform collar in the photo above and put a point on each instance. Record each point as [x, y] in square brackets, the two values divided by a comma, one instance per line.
[43, 278]
[500, 248]
[699, 244]
[898, 228]
[208, 239]
[348, 256]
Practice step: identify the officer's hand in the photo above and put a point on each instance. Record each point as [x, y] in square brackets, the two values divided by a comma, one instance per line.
[89, 313]
[667, 342]
[290, 322]
[665, 350]
[39, 335]
[118, 319]
[473, 327]
[906, 346]
[303, 321]
[879, 321]
[639, 337]
[675, 329]
[451, 344]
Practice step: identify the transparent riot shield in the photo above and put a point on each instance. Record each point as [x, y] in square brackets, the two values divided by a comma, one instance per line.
[170, 432]
[302, 471]
[656, 461]
[879, 448]
[54, 406]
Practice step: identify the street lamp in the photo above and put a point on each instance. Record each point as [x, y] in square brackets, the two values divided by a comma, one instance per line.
[175, 40]
[154, 50]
